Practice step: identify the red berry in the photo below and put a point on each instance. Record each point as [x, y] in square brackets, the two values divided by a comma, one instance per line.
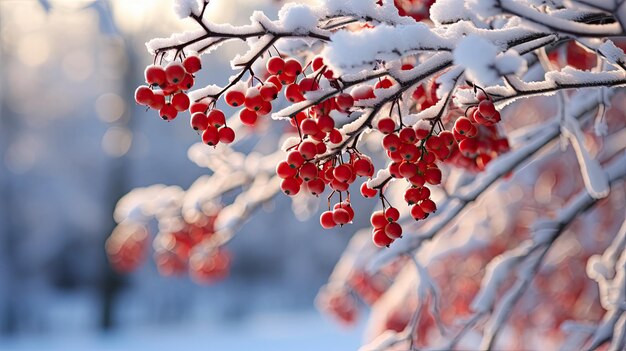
[192, 64]
[317, 63]
[168, 112]
[338, 185]
[144, 95]
[199, 121]
[325, 123]
[433, 176]
[284, 170]
[422, 130]
[285, 79]
[384, 83]
[378, 219]
[428, 206]
[275, 65]
[386, 125]
[180, 101]
[346, 206]
[392, 214]
[253, 101]
[198, 107]
[463, 125]
[307, 149]
[363, 167]
[235, 98]
[327, 221]
[320, 148]
[407, 135]
[434, 142]
[186, 83]
[308, 84]
[344, 101]
[155, 75]
[417, 213]
[211, 136]
[293, 93]
[343, 172]
[268, 92]
[368, 192]
[412, 196]
[417, 180]
[248, 117]
[486, 108]
[292, 67]
[407, 169]
[335, 136]
[363, 92]
[158, 101]
[266, 107]
[290, 186]
[341, 216]
[309, 127]
[174, 72]
[468, 147]
[409, 152]
[216, 118]
[381, 239]
[482, 160]
[393, 230]
[308, 171]
[391, 142]
[295, 159]
[274, 80]
[227, 135]
[316, 186]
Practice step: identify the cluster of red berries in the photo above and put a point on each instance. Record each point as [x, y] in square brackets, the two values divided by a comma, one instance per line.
[212, 124]
[257, 100]
[173, 80]
[300, 168]
[414, 153]
[186, 249]
[385, 225]
[339, 303]
[127, 246]
[478, 140]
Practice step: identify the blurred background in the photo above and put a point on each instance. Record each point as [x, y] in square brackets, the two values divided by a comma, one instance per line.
[72, 142]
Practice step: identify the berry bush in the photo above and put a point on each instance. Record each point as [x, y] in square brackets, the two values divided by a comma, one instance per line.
[490, 134]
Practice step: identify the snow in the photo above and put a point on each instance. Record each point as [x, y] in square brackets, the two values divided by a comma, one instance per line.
[477, 55]
[381, 176]
[496, 273]
[351, 50]
[450, 11]
[595, 179]
[184, 8]
[612, 53]
[297, 18]
[303, 331]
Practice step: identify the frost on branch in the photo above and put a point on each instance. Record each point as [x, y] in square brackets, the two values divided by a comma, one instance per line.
[449, 127]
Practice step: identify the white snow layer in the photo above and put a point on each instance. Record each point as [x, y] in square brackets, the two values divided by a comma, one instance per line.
[477, 55]
[297, 18]
[596, 180]
[184, 8]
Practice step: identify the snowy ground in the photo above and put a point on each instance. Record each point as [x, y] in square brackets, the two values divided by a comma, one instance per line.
[288, 332]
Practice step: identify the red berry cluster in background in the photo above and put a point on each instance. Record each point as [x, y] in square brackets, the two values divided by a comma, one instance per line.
[187, 248]
[127, 247]
[478, 140]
